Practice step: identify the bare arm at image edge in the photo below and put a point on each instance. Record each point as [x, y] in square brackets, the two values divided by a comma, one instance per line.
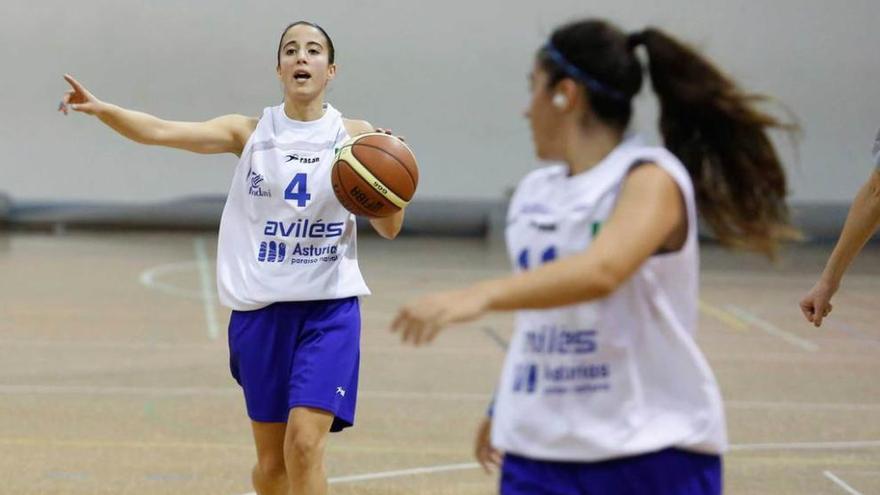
[861, 223]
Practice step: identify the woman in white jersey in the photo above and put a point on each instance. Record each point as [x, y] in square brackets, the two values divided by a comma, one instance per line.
[287, 258]
[604, 390]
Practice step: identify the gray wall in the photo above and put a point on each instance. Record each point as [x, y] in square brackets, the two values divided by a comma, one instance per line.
[450, 75]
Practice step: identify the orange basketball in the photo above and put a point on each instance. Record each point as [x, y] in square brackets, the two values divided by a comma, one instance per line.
[374, 175]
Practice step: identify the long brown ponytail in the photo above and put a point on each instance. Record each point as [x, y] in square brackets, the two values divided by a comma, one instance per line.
[719, 135]
[710, 124]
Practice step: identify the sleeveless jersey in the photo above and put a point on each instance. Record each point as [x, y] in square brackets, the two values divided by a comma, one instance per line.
[283, 235]
[617, 376]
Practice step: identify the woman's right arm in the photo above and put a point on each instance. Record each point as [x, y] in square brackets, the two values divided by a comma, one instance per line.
[861, 222]
[226, 134]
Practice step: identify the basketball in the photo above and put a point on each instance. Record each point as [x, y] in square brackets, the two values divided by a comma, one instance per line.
[374, 175]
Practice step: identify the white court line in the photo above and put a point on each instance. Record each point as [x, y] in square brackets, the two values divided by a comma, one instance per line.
[853, 445]
[110, 344]
[381, 394]
[43, 389]
[149, 278]
[399, 473]
[474, 465]
[215, 391]
[103, 390]
[207, 288]
[771, 329]
[403, 472]
[839, 482]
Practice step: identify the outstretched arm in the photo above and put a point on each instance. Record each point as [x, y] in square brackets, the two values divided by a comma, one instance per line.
[648, 213]
[226, 134]
[861, 223]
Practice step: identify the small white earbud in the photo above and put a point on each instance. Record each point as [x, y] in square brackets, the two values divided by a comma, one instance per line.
[560, 100]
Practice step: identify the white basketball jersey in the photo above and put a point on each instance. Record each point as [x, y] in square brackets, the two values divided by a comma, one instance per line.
[284, 236]
[614, 377]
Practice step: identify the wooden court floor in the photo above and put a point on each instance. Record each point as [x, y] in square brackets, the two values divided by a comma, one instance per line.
[114, 375]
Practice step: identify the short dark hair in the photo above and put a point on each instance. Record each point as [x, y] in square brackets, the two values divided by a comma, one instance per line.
[330, 48]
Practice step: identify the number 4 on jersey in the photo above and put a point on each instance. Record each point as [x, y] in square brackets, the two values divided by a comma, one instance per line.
[298, 190]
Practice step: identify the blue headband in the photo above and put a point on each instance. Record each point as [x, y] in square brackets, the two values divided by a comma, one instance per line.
[573, 71]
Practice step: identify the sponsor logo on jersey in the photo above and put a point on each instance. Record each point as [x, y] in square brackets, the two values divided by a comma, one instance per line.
[300, 158]
[272, 252]
[556, 340]
[256, 186]
[525, 378]
[543, 227]
[550, 370]
[550, 379]
[303, 229]
[281, 252]
[533, 209]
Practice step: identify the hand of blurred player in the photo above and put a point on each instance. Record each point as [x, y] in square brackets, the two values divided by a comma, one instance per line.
[390, 133]
[78, 99]
[487, 456]
[816, 305]
[421, 320]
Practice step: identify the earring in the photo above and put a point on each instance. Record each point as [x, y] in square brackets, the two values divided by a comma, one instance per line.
[560, 100]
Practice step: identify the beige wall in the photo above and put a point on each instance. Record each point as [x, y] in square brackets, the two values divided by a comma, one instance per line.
[449, 75]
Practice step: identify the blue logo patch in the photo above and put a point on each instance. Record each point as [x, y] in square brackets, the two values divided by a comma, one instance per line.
[255, 185]
[272, 252]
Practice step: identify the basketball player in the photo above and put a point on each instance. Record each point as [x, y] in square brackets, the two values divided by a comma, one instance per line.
[604, 389]
[286, 261]
[861, 223]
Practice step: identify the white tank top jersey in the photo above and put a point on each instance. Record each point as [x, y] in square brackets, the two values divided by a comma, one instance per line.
[283, 235]
[615, 377]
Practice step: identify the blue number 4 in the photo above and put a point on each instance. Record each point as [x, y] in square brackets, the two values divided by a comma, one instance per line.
[298, 190]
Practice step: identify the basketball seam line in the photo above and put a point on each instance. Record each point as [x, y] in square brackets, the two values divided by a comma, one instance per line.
[403, 165]
[371, 180]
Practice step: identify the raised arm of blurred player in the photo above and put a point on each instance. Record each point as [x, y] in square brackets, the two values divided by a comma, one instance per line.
[649, 213]
[226, 134]
[861, 223]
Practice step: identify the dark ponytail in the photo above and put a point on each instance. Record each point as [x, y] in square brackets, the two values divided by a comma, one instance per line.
[716, 131]
[705, 120]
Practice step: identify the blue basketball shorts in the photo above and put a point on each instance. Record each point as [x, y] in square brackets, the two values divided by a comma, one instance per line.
[298, 354]
[666, 472]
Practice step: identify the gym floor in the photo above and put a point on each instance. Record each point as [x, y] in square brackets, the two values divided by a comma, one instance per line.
[114, 371]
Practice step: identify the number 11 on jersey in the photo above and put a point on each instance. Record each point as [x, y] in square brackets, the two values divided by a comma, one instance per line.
[298, 190]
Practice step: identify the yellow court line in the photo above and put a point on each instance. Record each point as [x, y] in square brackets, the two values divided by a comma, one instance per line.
[731, 320]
